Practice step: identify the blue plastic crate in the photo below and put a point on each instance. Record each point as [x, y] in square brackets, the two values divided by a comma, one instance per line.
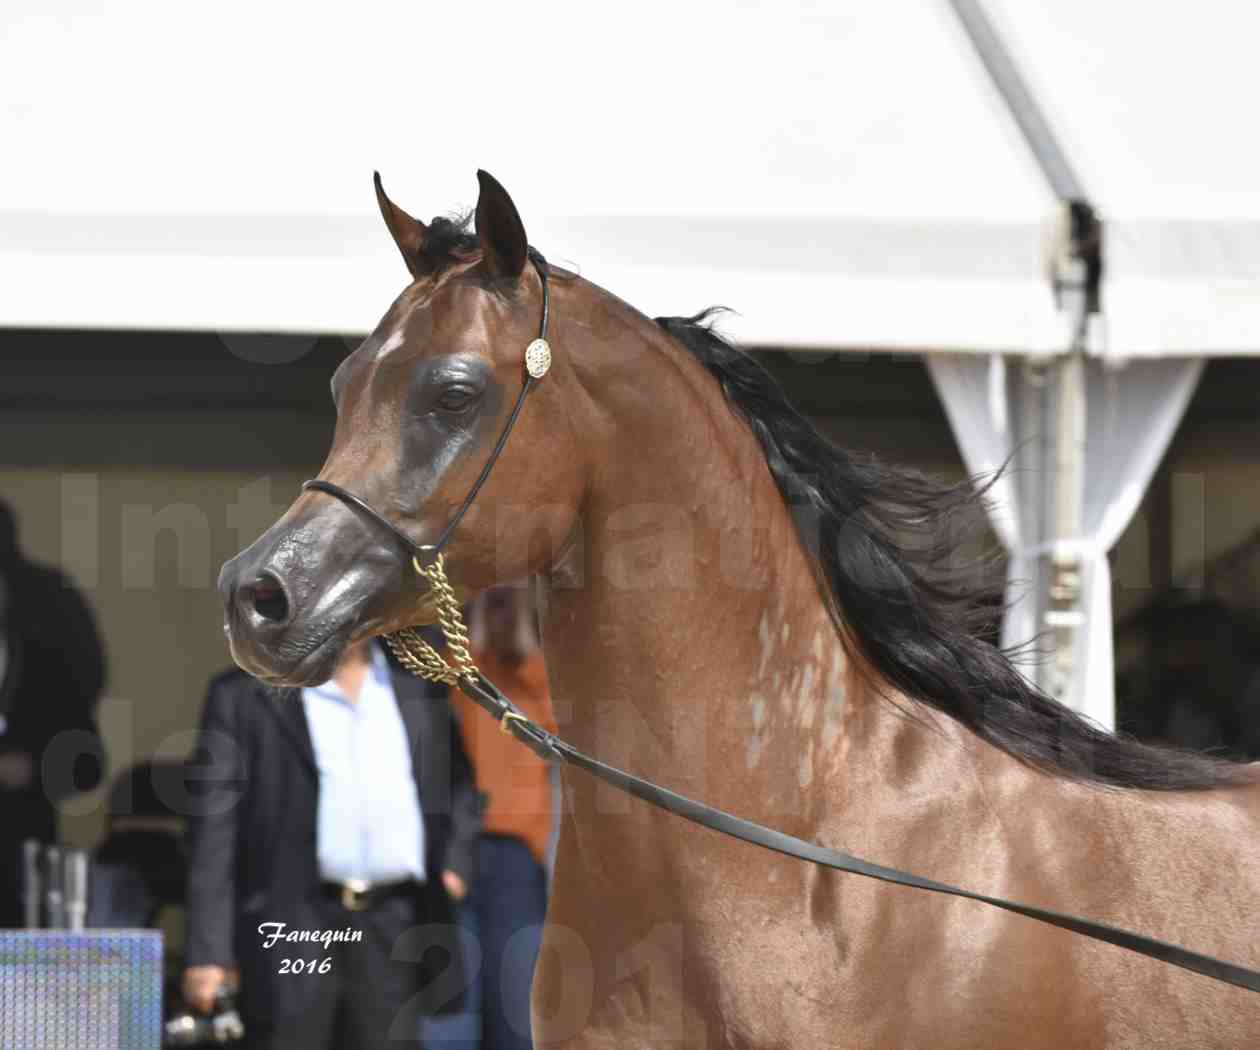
[97, 990]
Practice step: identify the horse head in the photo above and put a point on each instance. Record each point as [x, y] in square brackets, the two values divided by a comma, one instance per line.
[420, 405]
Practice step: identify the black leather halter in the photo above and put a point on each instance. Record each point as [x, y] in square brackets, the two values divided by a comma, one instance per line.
[427, 552]
[549, 746]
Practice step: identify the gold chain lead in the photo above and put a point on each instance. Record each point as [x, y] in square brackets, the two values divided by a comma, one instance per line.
[417, 655]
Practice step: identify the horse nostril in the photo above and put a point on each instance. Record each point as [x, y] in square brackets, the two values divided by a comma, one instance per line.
[267, 597]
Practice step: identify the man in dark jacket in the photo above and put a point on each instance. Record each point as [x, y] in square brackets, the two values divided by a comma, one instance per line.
[52, 671]
[331, 828]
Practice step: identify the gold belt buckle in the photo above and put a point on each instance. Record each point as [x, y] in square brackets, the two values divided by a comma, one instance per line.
[353, 894]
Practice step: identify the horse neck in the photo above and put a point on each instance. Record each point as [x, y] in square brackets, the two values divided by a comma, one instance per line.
[694, 645]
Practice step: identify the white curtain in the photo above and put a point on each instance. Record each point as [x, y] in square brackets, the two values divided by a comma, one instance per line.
[996, 407]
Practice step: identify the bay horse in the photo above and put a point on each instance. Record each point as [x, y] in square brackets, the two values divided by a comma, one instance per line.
[745, 613]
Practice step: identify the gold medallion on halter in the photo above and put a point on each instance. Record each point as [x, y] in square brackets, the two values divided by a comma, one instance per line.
[537, 358]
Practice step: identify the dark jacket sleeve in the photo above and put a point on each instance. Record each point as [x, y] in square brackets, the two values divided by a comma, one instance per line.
[216, 782]
[63, 674]
[84, 663]
[461, 855]
[84, 685]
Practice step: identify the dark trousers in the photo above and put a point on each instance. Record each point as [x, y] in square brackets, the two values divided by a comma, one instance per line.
[503, 917]
[366, 1001]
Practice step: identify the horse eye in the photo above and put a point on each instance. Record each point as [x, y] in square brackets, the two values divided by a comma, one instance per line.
[456, 398]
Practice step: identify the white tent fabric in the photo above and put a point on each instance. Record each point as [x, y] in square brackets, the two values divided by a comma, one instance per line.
[1155, 106]
[844, 176]
[1131, 415]
[841, 175]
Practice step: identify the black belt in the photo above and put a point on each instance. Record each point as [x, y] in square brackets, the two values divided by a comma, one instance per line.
[360, 896]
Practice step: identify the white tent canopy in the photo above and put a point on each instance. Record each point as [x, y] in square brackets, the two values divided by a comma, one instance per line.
[845, 176]
[1120, 115]
[840, 175]
[1155, 105]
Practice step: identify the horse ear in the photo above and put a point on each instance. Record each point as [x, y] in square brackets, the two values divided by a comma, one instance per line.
[500, 230]
[409, 233]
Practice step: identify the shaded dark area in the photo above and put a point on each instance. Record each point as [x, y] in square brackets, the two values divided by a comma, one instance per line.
[870, 386]
[137, 400]
[1200, 687]
[1197, 684]
[1227, 391]
[142, 864]
[126, 371]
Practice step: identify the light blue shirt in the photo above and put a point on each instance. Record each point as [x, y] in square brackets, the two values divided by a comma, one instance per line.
[368, 824]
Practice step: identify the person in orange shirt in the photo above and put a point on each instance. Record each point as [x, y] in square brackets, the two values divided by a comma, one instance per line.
[508, 901]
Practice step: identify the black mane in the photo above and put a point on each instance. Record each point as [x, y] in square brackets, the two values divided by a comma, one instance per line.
[910, 614]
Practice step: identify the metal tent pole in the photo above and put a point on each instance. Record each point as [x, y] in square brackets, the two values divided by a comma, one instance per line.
[1075, 264]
